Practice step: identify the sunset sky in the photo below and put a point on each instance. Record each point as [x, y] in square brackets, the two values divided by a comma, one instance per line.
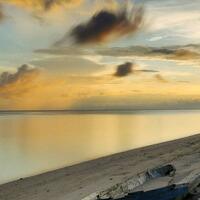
[99, 54]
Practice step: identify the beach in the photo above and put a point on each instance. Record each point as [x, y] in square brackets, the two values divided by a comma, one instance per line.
[79, 181]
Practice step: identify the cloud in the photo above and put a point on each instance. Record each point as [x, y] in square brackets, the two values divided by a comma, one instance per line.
[189, 52]
[124, 69]
[63, 51]
[106, 25]
[178, 23]
[51, 91]
[148, 70]
[69, 65]
[48, 91]
[41, 10]
[25, 72]
[41, 4]
[175, 53]
[128, 67]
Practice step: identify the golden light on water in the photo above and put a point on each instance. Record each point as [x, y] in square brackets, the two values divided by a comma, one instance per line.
[35, 143]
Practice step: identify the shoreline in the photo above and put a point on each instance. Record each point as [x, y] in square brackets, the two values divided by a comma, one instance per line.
[80, 180]
[94, 111]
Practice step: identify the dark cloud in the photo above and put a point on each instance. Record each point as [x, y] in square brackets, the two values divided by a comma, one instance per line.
[175, 53]
[187, 52]
[23, 72]
[124, 69]
[163, 51]
[128, 68]
[106, 25]
[148, 71]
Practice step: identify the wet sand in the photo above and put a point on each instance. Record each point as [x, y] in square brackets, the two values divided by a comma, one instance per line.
[78, 181]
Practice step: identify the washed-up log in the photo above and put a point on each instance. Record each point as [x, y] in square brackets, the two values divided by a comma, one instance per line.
[122, 189]
[172, 192]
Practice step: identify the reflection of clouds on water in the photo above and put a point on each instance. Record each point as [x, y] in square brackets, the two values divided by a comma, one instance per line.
[34, 141]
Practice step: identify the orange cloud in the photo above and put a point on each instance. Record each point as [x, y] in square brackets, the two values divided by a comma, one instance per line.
[13, 84]
[32, 88]
[47, 91]
[37, 5]
[24, 72]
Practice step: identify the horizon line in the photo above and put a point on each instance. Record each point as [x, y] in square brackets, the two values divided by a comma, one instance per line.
[94, 110]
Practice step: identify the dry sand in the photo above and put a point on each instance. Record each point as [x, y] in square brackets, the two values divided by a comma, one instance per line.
[78, 181]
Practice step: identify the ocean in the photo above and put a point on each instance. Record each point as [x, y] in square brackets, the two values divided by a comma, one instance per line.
[35, 142]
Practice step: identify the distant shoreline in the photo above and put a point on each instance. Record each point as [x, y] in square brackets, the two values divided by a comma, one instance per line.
[78, 181]
[100, 111]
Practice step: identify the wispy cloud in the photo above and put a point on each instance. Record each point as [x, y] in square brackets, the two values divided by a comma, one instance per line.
[179, 53]
[177, 21]
[106, 25]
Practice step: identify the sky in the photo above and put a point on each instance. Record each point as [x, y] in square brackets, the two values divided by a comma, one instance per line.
[101, 55]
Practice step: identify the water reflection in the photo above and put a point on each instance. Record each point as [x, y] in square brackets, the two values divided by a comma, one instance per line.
[34, 143]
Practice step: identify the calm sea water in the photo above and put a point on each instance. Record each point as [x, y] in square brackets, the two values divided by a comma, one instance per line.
[33, 143]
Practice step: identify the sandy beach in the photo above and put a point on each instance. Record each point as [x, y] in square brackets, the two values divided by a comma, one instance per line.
[78, 181]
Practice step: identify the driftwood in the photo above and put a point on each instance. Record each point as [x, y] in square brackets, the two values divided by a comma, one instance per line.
[172, 192]
[124, 188]
[187, 189]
